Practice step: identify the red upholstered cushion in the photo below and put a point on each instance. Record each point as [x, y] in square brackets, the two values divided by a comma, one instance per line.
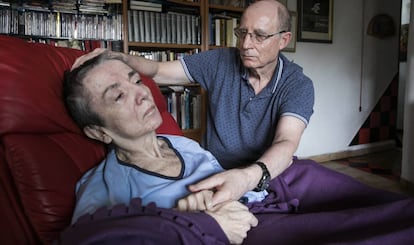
[31, 84]
[45, 169]
[45, 151]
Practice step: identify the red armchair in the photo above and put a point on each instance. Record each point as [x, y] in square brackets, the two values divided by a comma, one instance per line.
[42, 152]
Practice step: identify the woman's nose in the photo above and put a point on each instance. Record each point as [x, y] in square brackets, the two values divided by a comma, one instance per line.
[140, 93]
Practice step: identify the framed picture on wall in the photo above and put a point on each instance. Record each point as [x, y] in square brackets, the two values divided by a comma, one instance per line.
[283, 1]
[292, 44]
[315, 20]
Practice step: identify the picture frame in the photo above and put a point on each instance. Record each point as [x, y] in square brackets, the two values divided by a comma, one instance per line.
[315, 21]
[291, 47]
[284, 2]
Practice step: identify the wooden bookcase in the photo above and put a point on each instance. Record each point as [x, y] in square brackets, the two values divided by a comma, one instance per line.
[204, 10]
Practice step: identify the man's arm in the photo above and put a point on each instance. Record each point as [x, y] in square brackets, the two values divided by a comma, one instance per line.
[169, 72]
[285, 143]
[278, 157]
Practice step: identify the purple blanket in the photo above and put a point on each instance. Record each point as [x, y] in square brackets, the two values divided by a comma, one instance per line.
[307, 204]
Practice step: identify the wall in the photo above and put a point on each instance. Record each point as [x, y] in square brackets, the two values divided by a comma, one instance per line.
[407, 170]
[351, 72]
[405, 19]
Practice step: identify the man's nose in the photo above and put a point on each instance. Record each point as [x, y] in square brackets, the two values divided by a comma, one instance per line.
[247, 41]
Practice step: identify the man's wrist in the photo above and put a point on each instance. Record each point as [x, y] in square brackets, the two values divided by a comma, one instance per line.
[264, 180]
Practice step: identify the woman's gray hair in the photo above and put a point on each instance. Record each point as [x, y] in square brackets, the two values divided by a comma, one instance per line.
[77, 98]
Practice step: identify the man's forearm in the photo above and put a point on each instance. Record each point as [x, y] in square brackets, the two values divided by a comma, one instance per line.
[144, 66]
[169, 72]
[278, 157]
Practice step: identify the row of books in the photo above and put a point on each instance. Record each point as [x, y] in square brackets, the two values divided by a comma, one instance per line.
[222, 30]
[145, 5]
[184, 104]
[68, 6]
[85, 45]
[163, 55]
[157, 27]
[233, 3]
[56, 24]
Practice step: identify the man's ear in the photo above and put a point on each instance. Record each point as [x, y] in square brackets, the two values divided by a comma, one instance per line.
[97, 133]
[284, 40]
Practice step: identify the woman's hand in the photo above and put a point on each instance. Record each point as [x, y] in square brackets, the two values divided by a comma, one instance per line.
[235, 220]
[198, 201]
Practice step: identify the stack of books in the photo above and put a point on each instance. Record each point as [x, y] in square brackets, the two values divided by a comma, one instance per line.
[146, 6]
[184, 104]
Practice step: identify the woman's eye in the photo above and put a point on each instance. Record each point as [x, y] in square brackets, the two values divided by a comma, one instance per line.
[119, 96]
[139, 81]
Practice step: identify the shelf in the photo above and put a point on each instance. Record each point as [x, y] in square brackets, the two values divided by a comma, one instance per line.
[163, 45]
[216, 7]
[195, 134]
[185, 3]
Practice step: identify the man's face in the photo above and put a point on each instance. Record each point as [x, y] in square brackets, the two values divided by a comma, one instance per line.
[260, 20]
[122, 100]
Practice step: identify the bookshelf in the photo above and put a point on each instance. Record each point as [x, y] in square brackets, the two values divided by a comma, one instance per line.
[177, 28]
[81, 24]
[187, 105]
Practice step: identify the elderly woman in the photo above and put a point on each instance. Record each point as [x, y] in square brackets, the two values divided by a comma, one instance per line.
[107, 99]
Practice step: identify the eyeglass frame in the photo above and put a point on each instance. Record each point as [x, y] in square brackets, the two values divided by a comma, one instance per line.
[255, 35]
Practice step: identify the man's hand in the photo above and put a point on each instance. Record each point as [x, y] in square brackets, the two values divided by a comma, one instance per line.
[235, 220]
[231, 184]
[198, 201]
[80, 60]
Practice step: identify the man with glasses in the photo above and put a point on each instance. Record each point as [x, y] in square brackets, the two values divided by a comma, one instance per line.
[259, 102]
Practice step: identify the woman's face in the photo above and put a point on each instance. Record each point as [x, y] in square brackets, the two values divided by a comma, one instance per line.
[122, 100]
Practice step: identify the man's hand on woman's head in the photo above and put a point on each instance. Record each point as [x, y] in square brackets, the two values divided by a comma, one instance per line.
[80, 60]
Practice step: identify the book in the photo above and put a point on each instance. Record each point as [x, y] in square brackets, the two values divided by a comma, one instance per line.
[231, 39]
[145, 3]
[146, 6]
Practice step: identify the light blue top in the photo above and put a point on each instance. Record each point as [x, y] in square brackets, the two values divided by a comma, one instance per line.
[115, 182]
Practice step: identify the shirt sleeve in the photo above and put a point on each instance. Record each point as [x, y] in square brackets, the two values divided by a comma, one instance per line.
[299, 98]
[204, 67]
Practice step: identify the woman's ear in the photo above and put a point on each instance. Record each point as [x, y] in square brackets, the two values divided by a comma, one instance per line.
[97, 133]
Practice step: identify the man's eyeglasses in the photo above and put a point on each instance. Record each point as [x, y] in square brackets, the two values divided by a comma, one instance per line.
[256, 37]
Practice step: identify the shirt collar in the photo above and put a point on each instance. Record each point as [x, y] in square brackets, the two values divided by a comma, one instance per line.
[275, 79]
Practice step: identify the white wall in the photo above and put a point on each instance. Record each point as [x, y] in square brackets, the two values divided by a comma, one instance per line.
[407, 170]
[405, 19]
[336, 70]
